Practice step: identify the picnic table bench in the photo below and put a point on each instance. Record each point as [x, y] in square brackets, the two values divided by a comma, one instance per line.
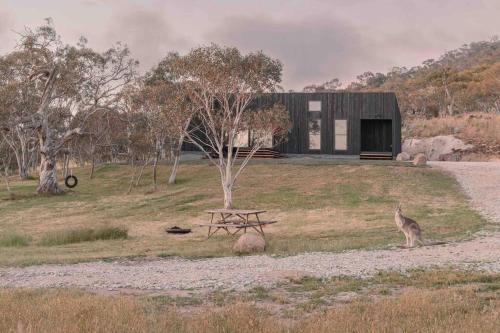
[235, 218]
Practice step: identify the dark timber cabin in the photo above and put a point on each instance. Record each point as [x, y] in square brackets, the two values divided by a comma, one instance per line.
[340, 123]
[367, 125]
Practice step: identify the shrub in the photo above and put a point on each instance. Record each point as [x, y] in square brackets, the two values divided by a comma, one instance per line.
[111, 233]
[14, 240]
[79, 235]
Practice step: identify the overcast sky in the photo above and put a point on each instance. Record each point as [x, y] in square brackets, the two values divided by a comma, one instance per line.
[315, 39]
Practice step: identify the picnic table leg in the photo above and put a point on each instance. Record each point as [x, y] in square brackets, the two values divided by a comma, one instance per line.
[224, 221]
[260, 232]
[260, 225]
[213, 233]
[210, 228]
[237, 230]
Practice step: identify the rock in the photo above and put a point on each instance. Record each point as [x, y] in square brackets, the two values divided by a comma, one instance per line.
[420, 159]
[249, 243]
[436, 146]
[455, 157]
[403, 157]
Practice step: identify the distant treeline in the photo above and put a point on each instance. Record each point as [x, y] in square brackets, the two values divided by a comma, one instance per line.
[463, 80]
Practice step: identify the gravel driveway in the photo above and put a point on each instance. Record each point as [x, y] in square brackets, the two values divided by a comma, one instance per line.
[480, 180]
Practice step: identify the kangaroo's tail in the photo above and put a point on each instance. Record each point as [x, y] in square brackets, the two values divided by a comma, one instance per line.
[429, 243]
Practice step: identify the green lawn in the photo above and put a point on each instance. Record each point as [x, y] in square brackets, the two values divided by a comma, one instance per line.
[320, 206]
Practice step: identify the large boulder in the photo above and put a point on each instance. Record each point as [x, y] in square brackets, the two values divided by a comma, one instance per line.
[420, 159]
[403, 157]
[249, 243]
[433, 148]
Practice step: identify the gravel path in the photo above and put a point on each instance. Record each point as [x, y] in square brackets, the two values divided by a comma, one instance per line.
[481, 182]
[483, 252]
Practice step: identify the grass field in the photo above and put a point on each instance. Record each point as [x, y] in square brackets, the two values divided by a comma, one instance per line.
[421, 301]
[320, 206]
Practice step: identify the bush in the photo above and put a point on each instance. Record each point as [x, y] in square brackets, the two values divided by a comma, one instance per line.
[79, 235]
[14, 240]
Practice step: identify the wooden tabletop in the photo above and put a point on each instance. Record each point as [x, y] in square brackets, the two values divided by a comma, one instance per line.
[234, 211]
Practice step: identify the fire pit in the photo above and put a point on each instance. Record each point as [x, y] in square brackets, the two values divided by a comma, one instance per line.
[178, 231]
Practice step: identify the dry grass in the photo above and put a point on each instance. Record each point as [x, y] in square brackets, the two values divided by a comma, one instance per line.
[320, 207]
[71, 236]
[453, 310]
[482, 130]
[13, 240]
[457, 309]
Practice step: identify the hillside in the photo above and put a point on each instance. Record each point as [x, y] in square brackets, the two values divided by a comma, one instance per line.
[463, 80]
[444, 96]
[479, 129]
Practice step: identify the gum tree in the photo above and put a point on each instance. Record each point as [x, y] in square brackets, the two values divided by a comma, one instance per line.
[55, 70]
[103, 77]
[177, 109]
[17, 105]
[64, 86]
[221, 83]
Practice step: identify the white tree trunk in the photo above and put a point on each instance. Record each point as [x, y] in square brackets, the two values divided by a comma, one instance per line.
[175, 167]
[21, 152]
[92, 167]
[177, 159]
[228, 194]
[23, 166]
[155, 169]
[48, 178]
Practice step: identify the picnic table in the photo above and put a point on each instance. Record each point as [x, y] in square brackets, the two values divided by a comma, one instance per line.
[240, 219]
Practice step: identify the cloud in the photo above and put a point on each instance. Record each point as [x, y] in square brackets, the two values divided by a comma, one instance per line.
[6, 21]
[315, 39]
[312, 50]
[318, 39]
[146, 31]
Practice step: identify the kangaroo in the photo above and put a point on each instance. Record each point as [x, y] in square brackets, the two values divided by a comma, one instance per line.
[408, 227]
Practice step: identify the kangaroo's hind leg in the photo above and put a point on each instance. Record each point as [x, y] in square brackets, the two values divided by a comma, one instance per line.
[407, 239]
[412, 240]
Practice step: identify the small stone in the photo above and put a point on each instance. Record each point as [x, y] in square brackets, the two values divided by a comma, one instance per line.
[420, 159]
[404, 156]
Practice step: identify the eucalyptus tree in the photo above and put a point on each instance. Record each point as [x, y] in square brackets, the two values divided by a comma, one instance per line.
[103, 77]
[221, 84]
[134, 140]
[177, 109]
[66, 85]
[18, 104]
[53, 79]
[151, 101]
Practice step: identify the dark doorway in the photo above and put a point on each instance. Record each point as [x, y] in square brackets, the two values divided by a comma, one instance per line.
[376, 135]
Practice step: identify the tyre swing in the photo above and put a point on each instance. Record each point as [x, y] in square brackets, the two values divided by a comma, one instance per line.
[71, 181]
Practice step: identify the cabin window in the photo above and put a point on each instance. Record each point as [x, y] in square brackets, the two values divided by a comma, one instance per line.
[314, 125]
[241, 139]
[314, 106]
[341, 134]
